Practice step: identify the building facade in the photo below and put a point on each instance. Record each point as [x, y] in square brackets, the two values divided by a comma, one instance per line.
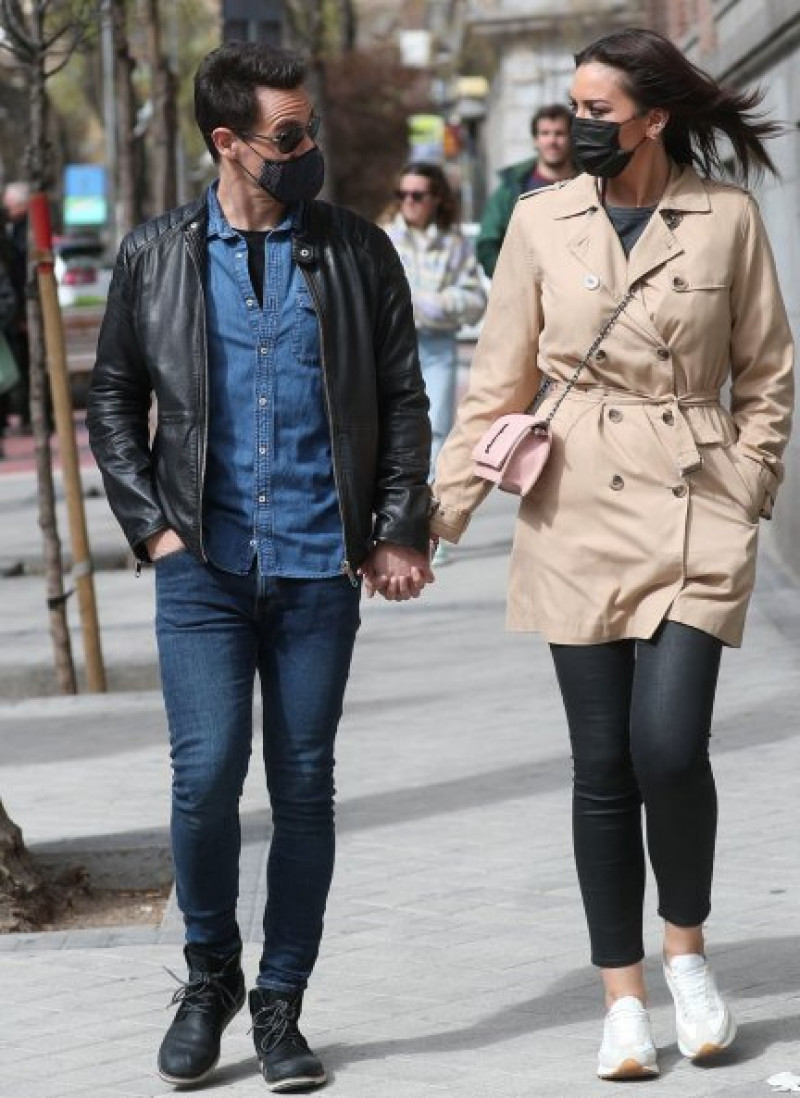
[752, 43]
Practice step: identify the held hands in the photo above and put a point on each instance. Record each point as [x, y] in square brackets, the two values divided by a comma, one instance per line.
[396, 572]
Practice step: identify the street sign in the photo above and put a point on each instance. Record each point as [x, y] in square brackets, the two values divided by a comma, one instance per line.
[85, 195]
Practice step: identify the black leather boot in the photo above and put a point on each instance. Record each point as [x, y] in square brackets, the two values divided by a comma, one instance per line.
[214, 993]
[287, 1063]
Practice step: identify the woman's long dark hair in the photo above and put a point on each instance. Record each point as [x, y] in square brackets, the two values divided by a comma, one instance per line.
[447, 210]
[656, 74]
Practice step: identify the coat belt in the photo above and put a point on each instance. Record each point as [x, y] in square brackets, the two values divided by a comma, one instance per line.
[685, 452]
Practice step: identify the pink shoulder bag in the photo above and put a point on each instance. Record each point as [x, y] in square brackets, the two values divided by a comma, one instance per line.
[514, 450]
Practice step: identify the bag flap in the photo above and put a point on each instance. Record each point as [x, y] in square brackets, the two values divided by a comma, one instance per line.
[499, 440]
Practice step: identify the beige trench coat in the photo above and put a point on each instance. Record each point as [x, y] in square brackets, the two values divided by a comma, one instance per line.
[649, 505]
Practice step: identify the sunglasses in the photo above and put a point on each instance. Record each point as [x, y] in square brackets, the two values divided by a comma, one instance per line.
[289, 139]
[415, 196]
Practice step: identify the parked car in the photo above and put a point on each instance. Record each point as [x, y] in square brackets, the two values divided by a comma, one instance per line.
[82, 273]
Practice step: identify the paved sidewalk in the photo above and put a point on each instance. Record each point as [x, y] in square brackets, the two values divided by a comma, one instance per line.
[455, 958]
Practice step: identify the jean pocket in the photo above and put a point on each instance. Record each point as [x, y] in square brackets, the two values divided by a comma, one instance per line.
[169, 557]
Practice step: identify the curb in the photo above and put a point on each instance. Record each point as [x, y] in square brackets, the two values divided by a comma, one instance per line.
[140, 861]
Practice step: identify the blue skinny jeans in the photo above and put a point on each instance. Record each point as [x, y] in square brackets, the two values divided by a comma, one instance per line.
[215, 631]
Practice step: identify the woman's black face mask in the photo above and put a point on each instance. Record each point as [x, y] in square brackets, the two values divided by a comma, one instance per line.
[596, 148]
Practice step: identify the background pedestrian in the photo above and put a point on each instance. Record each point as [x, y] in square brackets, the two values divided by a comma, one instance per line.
[446, 286]
[553, 162]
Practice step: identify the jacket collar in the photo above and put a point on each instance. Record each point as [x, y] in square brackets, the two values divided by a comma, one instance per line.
[685, 192]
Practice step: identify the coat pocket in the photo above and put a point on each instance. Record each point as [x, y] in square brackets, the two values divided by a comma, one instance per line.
[746, 482]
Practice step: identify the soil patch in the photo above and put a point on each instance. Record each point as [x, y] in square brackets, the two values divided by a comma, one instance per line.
[91, 907]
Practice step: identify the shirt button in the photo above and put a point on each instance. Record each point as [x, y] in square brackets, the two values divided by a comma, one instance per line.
[263, 350]
[679, 490]
[262, 401]
[668, 418]
[601, 356]
[662, 353]
[250, 303]
[616, 482]
[262, 449]
[262, 499]
[240, 255]
[679, 283]
[615, 415]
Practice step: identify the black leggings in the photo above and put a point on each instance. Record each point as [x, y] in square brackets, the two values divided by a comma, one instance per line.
[639, 716]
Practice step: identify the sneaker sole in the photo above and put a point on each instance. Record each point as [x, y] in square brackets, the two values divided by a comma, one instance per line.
[299, 1082]
[711, 1048]
[628, 1069]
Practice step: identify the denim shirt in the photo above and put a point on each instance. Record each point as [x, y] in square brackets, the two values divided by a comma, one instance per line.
[270, 494]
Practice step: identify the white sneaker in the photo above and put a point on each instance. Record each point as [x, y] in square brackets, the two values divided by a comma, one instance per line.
[441, 556]
[704, 1023]
[627, 1051]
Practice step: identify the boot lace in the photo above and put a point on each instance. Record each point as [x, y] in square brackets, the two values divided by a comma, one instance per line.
[276, 1023]
[202, 995]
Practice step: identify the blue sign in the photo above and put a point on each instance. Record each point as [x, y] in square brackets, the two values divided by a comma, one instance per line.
[84, 195]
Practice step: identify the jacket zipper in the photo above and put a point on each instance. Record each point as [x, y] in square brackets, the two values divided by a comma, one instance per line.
[202, 477]
[345, 566]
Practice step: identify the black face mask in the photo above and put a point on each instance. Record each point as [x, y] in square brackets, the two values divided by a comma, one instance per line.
[595, 146]
[291, 181]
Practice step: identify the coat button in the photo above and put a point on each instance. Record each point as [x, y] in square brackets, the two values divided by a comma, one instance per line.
[662, 353]
[615, 415]
[679, 490]
[679, 283]
[668, 418]
[616, 482]
[591, 282]
[601, 356]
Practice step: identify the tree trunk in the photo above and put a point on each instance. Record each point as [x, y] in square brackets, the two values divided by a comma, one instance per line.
[164, 124]
[38, 154]
[129, 203]
[26, 900]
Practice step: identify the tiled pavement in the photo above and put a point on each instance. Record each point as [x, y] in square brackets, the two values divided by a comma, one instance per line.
[454, 961]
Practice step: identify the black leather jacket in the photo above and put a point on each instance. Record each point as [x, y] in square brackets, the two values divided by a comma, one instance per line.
[153, 339]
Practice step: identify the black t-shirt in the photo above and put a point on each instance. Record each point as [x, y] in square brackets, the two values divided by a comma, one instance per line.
[254, 238]
[630, 223]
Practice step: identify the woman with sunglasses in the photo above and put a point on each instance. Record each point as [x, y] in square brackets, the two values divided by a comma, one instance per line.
[446, 286]
[635, 551]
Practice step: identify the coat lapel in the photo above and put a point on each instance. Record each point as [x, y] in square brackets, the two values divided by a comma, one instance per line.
[596, 246]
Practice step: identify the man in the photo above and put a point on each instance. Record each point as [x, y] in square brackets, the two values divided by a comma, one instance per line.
[290, 459]
[16, 199]
[550, 131]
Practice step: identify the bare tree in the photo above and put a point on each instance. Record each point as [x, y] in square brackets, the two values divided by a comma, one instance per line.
[164, 124]
[41, 35]
[325, 29]
[128, 144]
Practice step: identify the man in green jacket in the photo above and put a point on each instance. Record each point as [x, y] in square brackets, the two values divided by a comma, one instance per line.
[550, 132]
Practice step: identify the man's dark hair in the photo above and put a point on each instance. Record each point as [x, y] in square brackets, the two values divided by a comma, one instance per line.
[227, 79]
[553, 111]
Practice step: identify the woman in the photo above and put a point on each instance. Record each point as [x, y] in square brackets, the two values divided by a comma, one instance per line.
[446, 286]
[635, 552]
